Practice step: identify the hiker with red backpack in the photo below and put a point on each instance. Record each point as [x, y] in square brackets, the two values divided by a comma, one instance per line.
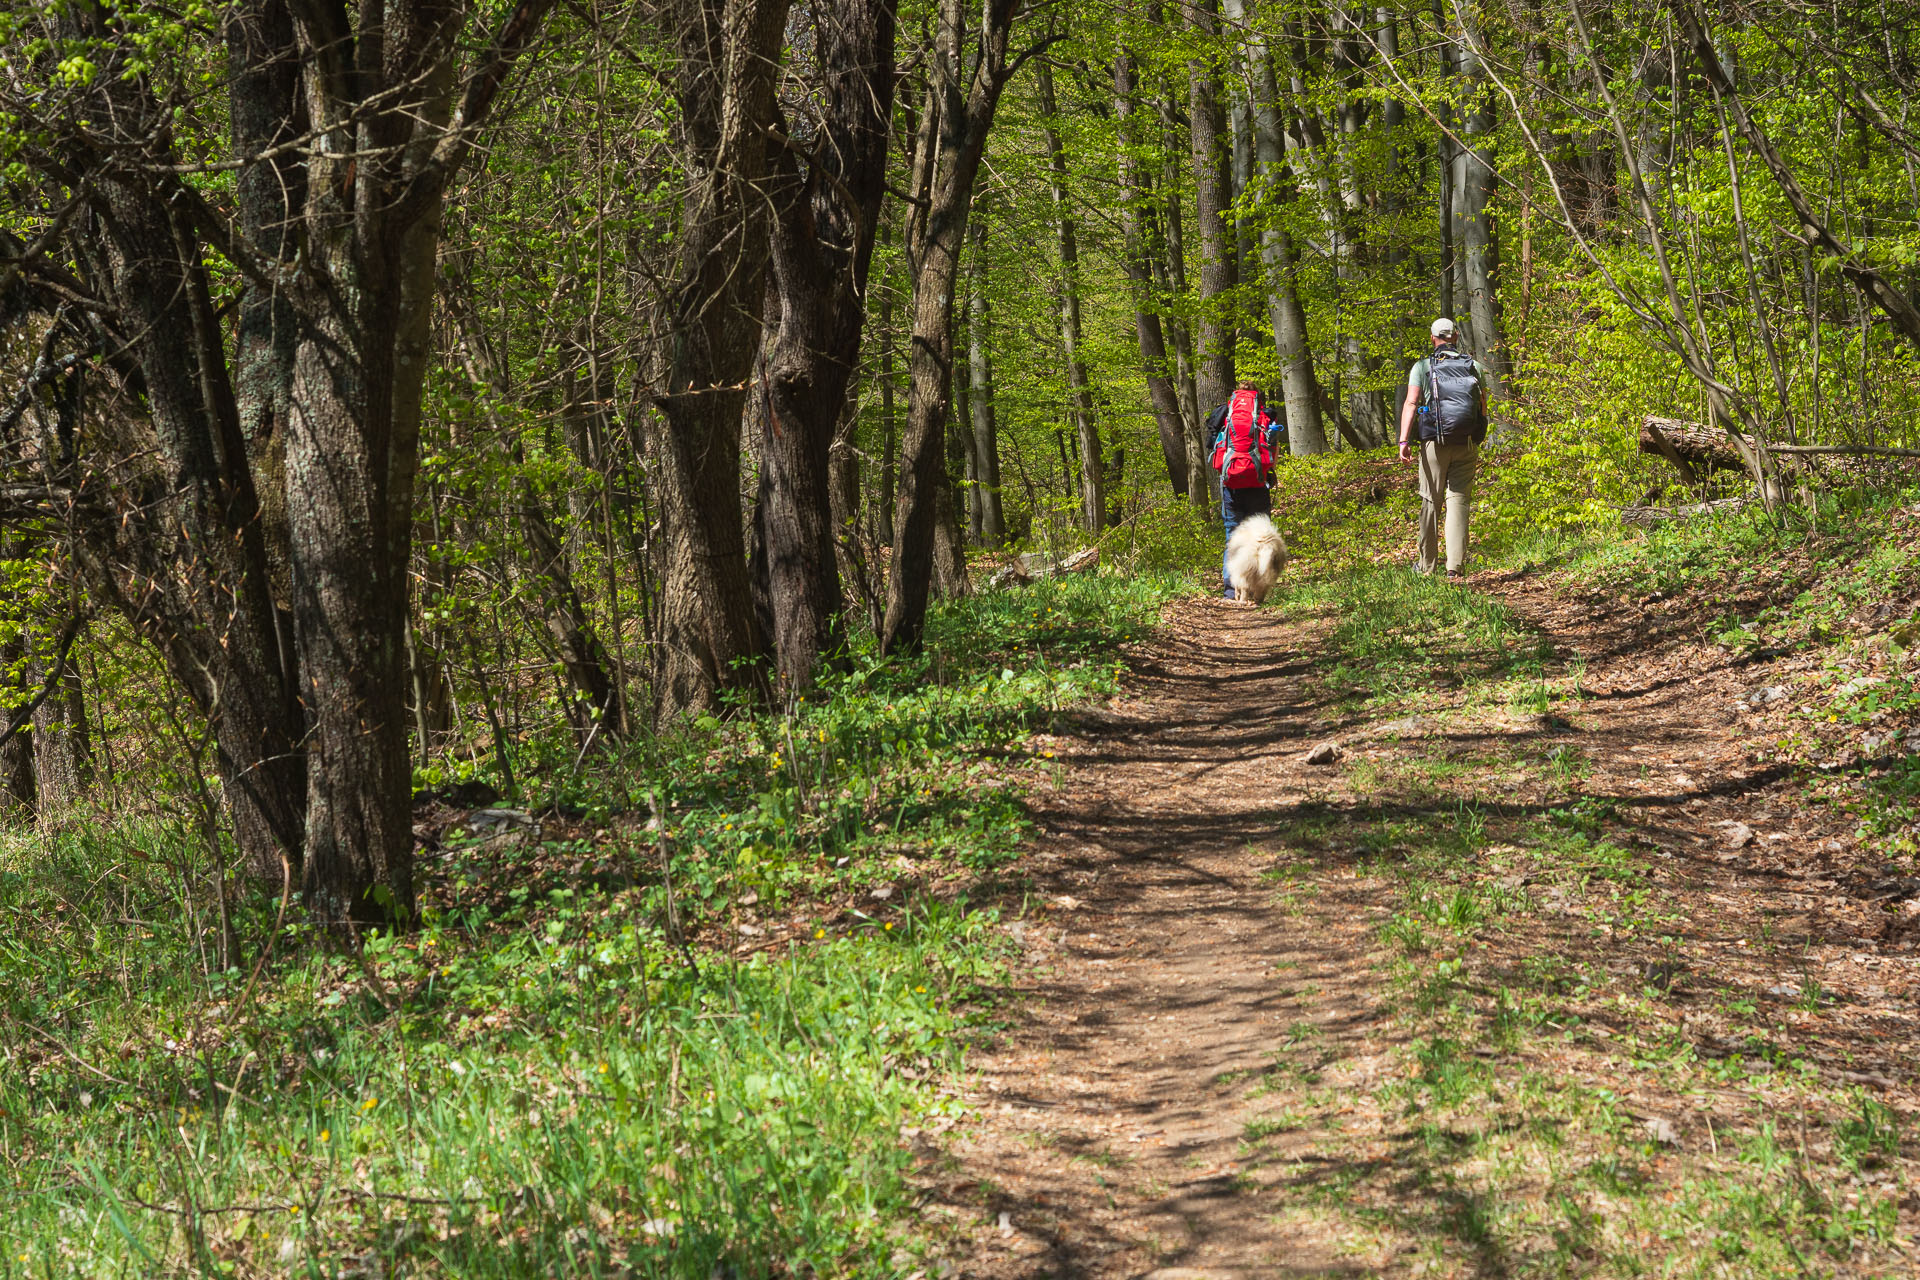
[1446, 411]
[1244, 440]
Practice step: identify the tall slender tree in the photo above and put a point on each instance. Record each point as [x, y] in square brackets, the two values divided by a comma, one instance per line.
[1086, 428]
[1137, 195]
[961, 102]
[1213, 212]
[1306, 433]
[991, 514]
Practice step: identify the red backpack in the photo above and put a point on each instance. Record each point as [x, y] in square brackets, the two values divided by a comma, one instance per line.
[1242, 457]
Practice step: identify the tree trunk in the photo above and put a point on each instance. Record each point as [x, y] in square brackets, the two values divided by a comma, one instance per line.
[339, 239]
[1185, 384]
[950, 161]
[268, 110]
[367, 288]
[950, 580]
[62, 754]
[219, 628]
[822, 247]
[1212, 201]
[1136, 195]
[19, 798]
[1306, 433]
[730, 53]
[1479, 246]
[889, 427]
[986, 434]
[1093, 499]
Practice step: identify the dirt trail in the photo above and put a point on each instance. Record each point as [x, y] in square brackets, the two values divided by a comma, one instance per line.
[1172, 968]
[1191, 1085]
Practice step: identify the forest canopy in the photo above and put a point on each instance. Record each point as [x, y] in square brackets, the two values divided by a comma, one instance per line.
[406, 394]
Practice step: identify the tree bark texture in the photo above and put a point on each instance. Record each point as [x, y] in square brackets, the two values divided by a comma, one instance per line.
[729, 51]
[986, 434]
[62, 752]
[1185, 381]
[391, 138]
[1479, 247]
[1093, 497]
[1212, 209]
[1306, 433]
[964, 106]
[1137, 196]
[889, 427]
[292, 644]
[18, 795]
[822, 246]
[176, 539]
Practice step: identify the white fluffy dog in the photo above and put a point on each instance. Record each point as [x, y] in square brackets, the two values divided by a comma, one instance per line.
[1255, 556]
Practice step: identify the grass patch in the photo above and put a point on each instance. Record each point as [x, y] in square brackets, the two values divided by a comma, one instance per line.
[1398, 633]
[672, 1027]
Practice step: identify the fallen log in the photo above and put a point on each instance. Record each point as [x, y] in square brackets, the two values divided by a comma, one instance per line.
[1648, 517]
[1031, 567]
[1689, 446]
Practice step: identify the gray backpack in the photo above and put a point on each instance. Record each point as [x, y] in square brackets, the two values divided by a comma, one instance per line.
[1452, 409]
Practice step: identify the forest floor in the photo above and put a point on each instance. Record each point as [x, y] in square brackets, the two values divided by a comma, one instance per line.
[1546, 971]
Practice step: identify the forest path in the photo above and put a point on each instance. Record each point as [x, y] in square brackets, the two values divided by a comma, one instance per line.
[1117, 1112]
[1236, 1054]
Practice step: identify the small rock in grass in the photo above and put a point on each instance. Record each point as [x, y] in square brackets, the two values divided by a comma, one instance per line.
[1660, 1129]
[1325, 753]
[1662, 975]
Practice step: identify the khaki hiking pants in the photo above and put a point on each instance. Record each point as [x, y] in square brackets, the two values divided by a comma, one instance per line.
[1448, 469]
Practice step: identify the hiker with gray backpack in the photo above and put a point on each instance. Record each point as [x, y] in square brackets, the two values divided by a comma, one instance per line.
[1446, 412]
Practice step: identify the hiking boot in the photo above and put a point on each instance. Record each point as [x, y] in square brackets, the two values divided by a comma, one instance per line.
[1226, 593]
[1456, 576]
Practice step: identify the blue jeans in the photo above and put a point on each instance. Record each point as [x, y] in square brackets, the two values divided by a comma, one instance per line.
[1236, 505]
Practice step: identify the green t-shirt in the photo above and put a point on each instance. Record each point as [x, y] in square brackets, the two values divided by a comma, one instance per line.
[1419, 379]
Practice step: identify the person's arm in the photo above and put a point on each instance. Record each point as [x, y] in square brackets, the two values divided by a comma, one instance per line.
[1406, 415]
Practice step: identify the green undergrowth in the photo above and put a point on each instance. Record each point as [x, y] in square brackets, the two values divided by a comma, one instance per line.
[1842, 574]
[668, 1025]
[1396, 633]
[1581, 1086]
[1544, 1112]
[1343, 509]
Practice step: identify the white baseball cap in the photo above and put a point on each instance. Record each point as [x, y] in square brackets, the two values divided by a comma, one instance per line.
[1442, 328]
